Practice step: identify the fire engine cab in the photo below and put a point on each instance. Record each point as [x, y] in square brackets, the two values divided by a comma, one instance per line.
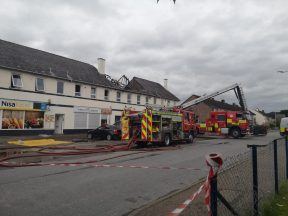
[158, 126]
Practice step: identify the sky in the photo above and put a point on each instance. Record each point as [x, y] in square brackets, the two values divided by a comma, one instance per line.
[199, 46]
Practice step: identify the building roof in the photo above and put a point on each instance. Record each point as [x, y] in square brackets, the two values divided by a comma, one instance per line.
[215, 104]
[21, 58]
[151, 88]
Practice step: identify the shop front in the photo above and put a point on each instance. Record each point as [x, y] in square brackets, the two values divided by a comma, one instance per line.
[21, 115]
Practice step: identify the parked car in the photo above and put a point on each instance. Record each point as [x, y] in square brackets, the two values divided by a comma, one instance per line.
[105, 132]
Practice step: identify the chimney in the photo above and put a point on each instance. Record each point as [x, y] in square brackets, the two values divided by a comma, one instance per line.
[166, 83]
[101, 65]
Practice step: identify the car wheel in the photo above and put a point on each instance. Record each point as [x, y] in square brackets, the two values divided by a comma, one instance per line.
[89, 136]
[108, 137]
[235, 133]
[167, 140]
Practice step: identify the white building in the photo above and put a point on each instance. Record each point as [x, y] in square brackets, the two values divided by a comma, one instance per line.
[45, 93]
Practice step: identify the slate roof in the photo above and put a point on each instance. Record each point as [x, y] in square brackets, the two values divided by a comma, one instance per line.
[21, 58]
[215, 104]
[151, 88]
[35, 61]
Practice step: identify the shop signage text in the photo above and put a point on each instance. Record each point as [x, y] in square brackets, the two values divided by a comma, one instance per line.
[16, 104]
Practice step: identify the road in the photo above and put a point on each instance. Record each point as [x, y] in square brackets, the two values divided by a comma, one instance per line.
[51, 190]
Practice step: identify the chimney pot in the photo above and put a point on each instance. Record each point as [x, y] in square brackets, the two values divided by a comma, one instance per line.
[166, 83]
[101, 65]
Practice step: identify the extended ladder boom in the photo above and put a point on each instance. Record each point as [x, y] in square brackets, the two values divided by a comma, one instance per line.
[237, 89]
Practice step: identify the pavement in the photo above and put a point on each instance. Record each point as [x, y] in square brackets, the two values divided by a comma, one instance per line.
[111, 190]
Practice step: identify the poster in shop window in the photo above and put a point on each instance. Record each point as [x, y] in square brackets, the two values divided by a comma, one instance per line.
[12, 119]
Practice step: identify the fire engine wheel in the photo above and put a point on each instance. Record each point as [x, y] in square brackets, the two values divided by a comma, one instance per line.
[108, 137]
[89, 136]
[190, 138]
[167, 140]
[235, 133]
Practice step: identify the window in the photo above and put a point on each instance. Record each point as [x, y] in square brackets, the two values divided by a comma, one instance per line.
[168, 103]
[60, 87]
[128, 98]
[155, 100]
[106, 94]
[93, 92]
[147, 100]
[39, 85]
[77, 90]
[16, 81]
[221, 117]
[138, 99]
[118, 96]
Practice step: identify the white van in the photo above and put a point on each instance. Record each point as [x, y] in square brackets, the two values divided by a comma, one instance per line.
[284, 126]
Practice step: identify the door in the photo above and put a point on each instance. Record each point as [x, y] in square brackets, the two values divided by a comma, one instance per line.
[59, 123]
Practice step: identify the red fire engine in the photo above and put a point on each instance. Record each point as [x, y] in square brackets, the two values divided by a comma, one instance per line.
[235, 124]
[158, 126]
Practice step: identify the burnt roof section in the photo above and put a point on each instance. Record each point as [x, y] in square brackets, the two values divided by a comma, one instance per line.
[151, 88]
[22, 58]
[215, 104]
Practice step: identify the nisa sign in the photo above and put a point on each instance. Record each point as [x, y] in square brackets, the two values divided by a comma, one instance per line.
[7, 104]
[15, 104]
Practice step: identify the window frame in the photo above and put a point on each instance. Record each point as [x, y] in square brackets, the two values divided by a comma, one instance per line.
[138, 99]
[12, 81]
[118, 97]
[76, 95]
[146, 100]
[36, 84]
[106, 97]
[93, 95]
[129, 98]
[58, 81]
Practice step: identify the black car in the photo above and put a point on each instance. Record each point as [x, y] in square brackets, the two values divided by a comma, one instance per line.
[106, 132]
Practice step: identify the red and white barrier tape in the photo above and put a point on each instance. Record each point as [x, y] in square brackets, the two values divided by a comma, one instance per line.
[105, 165]
[214, 161]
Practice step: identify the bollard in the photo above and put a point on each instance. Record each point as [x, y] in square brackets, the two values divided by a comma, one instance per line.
[275, 167]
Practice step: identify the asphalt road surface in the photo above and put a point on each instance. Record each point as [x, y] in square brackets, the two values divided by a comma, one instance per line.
[109, 191]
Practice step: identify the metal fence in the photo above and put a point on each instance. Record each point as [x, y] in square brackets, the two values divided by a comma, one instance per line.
[246, 180]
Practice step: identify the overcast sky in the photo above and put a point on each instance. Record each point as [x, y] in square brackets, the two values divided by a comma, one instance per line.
[199, 46]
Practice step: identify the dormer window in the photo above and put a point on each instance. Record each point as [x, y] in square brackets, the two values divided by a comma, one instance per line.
[16, 81]
[39, 84]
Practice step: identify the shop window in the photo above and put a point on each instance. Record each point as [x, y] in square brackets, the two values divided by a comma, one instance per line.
[34, 119]
[16, 81]
[128, 98]
[77, 90]
[12, 119]
[39, 85]
[60, 87]
[118, 96]
[138, 99]
[106, 94]
[93, 92]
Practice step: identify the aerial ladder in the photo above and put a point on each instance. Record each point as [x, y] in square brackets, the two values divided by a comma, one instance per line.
[238, 92]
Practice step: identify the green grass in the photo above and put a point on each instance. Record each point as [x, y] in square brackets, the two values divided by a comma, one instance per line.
[277, 205]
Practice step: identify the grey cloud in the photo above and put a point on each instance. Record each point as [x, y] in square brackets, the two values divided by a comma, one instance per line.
[200, 46]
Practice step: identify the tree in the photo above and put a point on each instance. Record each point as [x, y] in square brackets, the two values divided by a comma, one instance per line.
[173, 1]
